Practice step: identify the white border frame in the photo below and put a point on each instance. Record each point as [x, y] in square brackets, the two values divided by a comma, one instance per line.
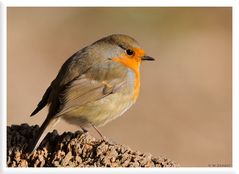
[122, 3]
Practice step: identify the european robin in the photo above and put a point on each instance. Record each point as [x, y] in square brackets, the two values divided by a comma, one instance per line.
[95, 85]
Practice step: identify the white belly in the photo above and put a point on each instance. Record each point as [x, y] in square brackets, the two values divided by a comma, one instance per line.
[99, 112]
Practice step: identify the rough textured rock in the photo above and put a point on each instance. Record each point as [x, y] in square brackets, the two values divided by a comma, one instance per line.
[73, 150]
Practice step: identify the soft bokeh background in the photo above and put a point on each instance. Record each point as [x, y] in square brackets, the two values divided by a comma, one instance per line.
[184, 110]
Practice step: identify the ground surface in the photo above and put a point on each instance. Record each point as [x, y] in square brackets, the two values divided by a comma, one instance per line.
[74, 150]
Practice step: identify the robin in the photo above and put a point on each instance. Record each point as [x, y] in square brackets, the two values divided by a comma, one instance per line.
[94, 86]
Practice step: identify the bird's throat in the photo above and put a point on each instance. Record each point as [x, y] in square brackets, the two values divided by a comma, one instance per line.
[134, 65]
[136, 85]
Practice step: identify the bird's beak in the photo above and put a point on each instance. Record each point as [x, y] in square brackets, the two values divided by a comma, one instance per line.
[148, 58]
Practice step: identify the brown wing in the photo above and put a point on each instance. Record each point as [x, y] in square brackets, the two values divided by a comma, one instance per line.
[101, 79]
[84, 90]
[72, 87]
[68, 72]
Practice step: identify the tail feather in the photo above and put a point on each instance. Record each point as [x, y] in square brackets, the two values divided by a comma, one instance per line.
[41, 105]
[40, 135]
[43, 101]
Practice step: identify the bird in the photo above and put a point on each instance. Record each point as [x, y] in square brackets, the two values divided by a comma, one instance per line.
[95, 85]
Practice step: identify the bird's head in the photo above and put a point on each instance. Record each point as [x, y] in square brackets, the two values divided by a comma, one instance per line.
[124, 49]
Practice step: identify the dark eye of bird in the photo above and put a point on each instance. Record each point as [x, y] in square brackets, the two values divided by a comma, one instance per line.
[129, 52]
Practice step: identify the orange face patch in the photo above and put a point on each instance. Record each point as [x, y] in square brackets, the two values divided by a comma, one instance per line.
[132, 62]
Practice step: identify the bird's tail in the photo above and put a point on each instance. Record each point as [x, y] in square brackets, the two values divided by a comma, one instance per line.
[40, 135]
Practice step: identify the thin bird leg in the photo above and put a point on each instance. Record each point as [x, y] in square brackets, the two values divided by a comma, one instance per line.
[98, 132]
[84, 130]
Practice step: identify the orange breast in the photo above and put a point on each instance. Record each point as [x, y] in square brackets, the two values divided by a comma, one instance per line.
[133, 62]
[136, 85]
[134, 66]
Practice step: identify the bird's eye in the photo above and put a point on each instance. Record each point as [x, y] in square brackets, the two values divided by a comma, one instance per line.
[130, 52]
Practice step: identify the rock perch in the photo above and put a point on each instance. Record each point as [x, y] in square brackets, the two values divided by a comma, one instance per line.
[74, 150]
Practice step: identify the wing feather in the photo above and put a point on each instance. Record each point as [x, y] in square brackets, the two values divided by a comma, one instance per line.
[84, 90]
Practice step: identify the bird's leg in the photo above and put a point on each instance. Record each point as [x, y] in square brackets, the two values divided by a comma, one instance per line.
[103, 138]
[84, 129]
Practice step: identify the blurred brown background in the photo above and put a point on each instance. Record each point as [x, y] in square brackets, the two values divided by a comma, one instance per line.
[184, 110]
